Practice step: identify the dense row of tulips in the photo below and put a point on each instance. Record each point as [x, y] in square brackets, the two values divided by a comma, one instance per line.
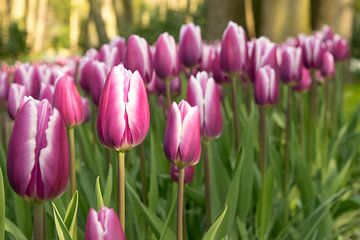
[46, 106]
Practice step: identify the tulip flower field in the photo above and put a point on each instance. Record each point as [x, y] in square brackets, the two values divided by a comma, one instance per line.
[238, 138]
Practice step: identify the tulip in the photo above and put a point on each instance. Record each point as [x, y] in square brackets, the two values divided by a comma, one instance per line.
[85, 73]
[156, 85]
[27, 75]
[190, 45]
[91, 53]
[313, 49]
[339, 47]
[138, 57]
[4, 86]
[218, 74]
[97, 79]
[233, 55]
[207, 57]
[290, 64]
[188, 173]
[16, 94]
[305, 81]
[328, 65]
[46, 92]
[120, 44]
[86, 108]
[103, 225]
[266, 86]
[109, 55]
[46, 74]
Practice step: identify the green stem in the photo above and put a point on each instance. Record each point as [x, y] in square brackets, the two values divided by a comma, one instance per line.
[39, 221]
[71, 137]
[180, 210]
[121, 175]
[312, 120]
[168, 92]
[235, 111]
[143, 173]
[262, 140]
[246, 93]
[207, 181]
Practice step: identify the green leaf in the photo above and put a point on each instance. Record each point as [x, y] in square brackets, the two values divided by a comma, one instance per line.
[11, 228]
[211, 233]
[61, 229]
[71, 214]
[166, 225]
[108, 187]
[2, 207]
[99, 198]
[153, 190]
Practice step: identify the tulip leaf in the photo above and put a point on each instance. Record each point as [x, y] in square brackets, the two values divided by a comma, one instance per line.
[211, 233]
[153, 191]
[61, 230]
[99, 197]
[2, 207]
[108, 187]
[166, 225]
[11, 228]
[71, 214]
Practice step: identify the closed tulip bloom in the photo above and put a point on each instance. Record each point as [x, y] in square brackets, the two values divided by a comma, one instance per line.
[328, 65]
[103, 225]
[207, 58]
[138, 57]
[16, 94]
[233, 55]
[109, 55]
[37, 160]
[305, 81]
[203, 92]
[85, 73]
[266, 86]
[27, 75]
[339, 47]
[67, 99]
[188, 173]
[120, 44]
[4, 86]
[219, 75]
[91, 53]
[166, 59]
[46, 74]
[313, 49]
[47, 92]
[99, 71]
[190, 45]
[182, 144]
[124, 116]
[290, 66]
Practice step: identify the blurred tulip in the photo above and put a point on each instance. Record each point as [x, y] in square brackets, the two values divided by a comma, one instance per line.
[109, 55]
[120, 44]
[305, 82]
[91, 53]
[67, 99]
[16, 94]
[47, 92]
[97, 78]
[85, 73]
[233, 55]
[188, 173]
[46, 74]
[103, 225]
[290, 64]
[138, 57]
[86, 108]
[312, 49]
[124, 116]
[266, 88]
[4, 86]
[182, 144]
[328, 65]
[207, 57]
[203, 93]
[339, 47]
[190, 45]
[166, 59]
[37, 161]
[27, 75]
[156, 85]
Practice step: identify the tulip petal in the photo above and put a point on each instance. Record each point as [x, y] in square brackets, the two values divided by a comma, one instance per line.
[94, 229]
[172, 132]
[212, 112]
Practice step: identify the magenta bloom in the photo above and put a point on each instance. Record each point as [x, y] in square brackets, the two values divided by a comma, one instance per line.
[85, 73]
[47, 92]
[203, 92]
[266, 88]
[233, 55]
[305, 82]
[166, 59]
[339, 47]
[37, 161]
[138, 57]
[109, 55]
[46, 74]
[16, 94]
[103, 225]
[290, 64]
[182, 143]
[207, 57]
[68, 100]
[120, 44]
[190, 45]
[188, 173]
[124, 116]
[86, 108]
[97, 78]
[4, 86]
[328, 65]
[313, 49]
[27, 75]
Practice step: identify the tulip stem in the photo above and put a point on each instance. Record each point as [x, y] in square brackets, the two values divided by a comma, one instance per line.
[168, 93]
[121, 176]
[207, 181]
[235, 111]
[39, 221]
[180, 210]
[71, 137]
[262, 140]
[287, 152]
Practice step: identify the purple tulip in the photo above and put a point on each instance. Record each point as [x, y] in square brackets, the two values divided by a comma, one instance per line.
[97, 78]
[120, 44]
[328, 65]
[91, 53]
[37, 161]
[266, 88]
[109, 55]
[27, 75]
[313, 49]
[138, 57]
[4, 86]
[339, 47]
[166, 59]
[207, 57]
[16, 94]
[218, 74]
[156, 85]
[182, 144]
[103, 225]
[290, 64]
[203, 93]
[85, 73]
[190, 45]
[233, 55]
[326, 33]
[47, 92]
[86, 108]
[46, 74]
[67, 99]
[188, 173]
[124, 116]
[305, 82]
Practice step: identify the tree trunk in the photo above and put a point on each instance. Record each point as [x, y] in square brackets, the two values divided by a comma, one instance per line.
[40, 26]
[117, 11]
[99, 22]
[128, 11]
[74, 25]
[31, 21]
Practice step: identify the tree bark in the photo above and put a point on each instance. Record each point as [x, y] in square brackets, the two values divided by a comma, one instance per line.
[117, 11]
[40, 26]
[30, 21]
[128, 11]
[99, 22]
[74, 26]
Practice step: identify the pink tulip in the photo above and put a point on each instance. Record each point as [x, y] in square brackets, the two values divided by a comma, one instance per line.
[47, 92]
[313, 49]
[109, 55]
[27, 75]
[266, 87]
[16, 94]
[190, 45]
[305, 82]
[290, 64]
[328, 65]
[4, 86]
[188, 173]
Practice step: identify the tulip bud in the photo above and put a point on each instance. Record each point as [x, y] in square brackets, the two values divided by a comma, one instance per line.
[203, 93]
[328, 65]
[103, 225]
[91, 53]
[67, 99]
[190, 45]
[85, 73]
[37, 160]
[290, 64]
[233, 55]
[27, 75]
[97, 78]
[124, 116]
[138, 57]
[120, 44]
[182, 144]
[4, 86]
[188, 173]
[326, 33]
[47, 92]
[305, 82]
[109, 55]
[16, 94]
[313, 49]
[166, 59]
[218, 74]
[339, 47]
[266, 86]
[207, 58]
[46, 74]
